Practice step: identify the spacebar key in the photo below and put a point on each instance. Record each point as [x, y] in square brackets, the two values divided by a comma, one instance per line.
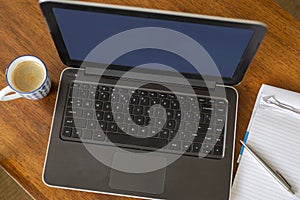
[131, 140]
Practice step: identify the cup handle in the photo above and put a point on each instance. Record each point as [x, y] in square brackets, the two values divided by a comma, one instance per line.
[5, 97]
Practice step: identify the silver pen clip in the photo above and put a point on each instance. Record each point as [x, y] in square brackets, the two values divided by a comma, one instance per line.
[283, 179]
[272, 100]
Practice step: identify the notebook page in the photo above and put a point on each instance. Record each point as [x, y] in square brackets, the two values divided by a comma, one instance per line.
[275, 136]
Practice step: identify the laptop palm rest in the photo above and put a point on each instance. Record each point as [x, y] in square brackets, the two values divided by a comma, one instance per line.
[123, 176]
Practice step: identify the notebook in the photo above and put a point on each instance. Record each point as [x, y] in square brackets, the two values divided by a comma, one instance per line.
[274, 132]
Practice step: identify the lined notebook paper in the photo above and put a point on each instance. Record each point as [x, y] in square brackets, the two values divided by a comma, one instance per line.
[274, 133]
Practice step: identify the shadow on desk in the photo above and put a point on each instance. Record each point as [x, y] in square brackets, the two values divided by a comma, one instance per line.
[9, 189]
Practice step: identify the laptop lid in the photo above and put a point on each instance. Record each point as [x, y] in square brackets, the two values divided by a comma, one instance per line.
[77, 27]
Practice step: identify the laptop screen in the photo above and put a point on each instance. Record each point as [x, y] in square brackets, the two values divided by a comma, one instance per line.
[83, 30]
[77, 28]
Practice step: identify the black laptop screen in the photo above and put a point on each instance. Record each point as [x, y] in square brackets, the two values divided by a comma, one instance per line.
[82, 31]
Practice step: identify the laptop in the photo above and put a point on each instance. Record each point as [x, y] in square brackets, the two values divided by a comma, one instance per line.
[146, 107]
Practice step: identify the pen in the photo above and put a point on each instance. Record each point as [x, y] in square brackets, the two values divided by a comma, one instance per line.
[279, 178]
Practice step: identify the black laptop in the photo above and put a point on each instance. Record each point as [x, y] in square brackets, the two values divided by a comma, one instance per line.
[146, 107]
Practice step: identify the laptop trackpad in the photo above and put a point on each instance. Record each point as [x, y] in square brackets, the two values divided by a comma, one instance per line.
[125, 179]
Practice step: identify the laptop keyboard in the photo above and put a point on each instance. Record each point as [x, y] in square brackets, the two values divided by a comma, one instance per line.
[145, 119]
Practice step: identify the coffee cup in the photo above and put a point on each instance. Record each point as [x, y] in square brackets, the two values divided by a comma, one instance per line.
[26, 76]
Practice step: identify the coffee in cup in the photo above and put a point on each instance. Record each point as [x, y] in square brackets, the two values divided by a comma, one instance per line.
[28, 77]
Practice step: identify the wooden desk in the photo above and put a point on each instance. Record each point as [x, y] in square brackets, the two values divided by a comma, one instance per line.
[25, 124]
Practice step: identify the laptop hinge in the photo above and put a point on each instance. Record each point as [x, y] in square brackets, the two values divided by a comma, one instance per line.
[147, 77]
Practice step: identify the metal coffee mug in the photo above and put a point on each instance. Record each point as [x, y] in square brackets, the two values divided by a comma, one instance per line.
[39, 92]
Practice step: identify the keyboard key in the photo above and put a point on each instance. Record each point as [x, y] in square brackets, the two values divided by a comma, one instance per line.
[107, 116]
[174, 104]
[221, 102]
[220, 110]
[174, 135]
[153, 94]
[184, 135]
[148, 111]
[138, 110]
[98, 105]
[67, 132]
[178, 115]
[134, 100]
[170, 114]
[162, 95]
[196, 147]
[117, 107]
[85, 86]
[83, 93]
[143, 93]
[219, 130]
[92, 124]
[140, 120]
[219, 140]
[143, 131]
[145, 101]
[104, 88]
[154, 101]
[119, 117]
[171, 96]
[99, 115]
[199, 137]
[72, 102]
[93, 87]
[103, 96]
[93, 94]
[186, 146]
[189, 116]
[115, 97]
[98, 136]
[87, 104]
[80, 123]
[141, 142]
[191, 126]
[158, 112]
[208, 118]
[220, 119]
[170, 124]
[194, 107]
[164, 134]
[128, 119]
[102, 125]
[77, 133]
[74, 112]
[88, 114]
[211, 101]
[175, 145]
[124, 99]
[123, 127]
[206, 149]
[165, 103]
[87, 134]
[160, 122]
[208, 109]
[132, 129]
[153, 131]
[208, 138]
[185, 105]
[112, 127]
[106, 106]
[218, 150]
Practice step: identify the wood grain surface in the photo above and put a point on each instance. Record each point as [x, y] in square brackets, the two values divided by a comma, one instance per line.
[25, 124]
